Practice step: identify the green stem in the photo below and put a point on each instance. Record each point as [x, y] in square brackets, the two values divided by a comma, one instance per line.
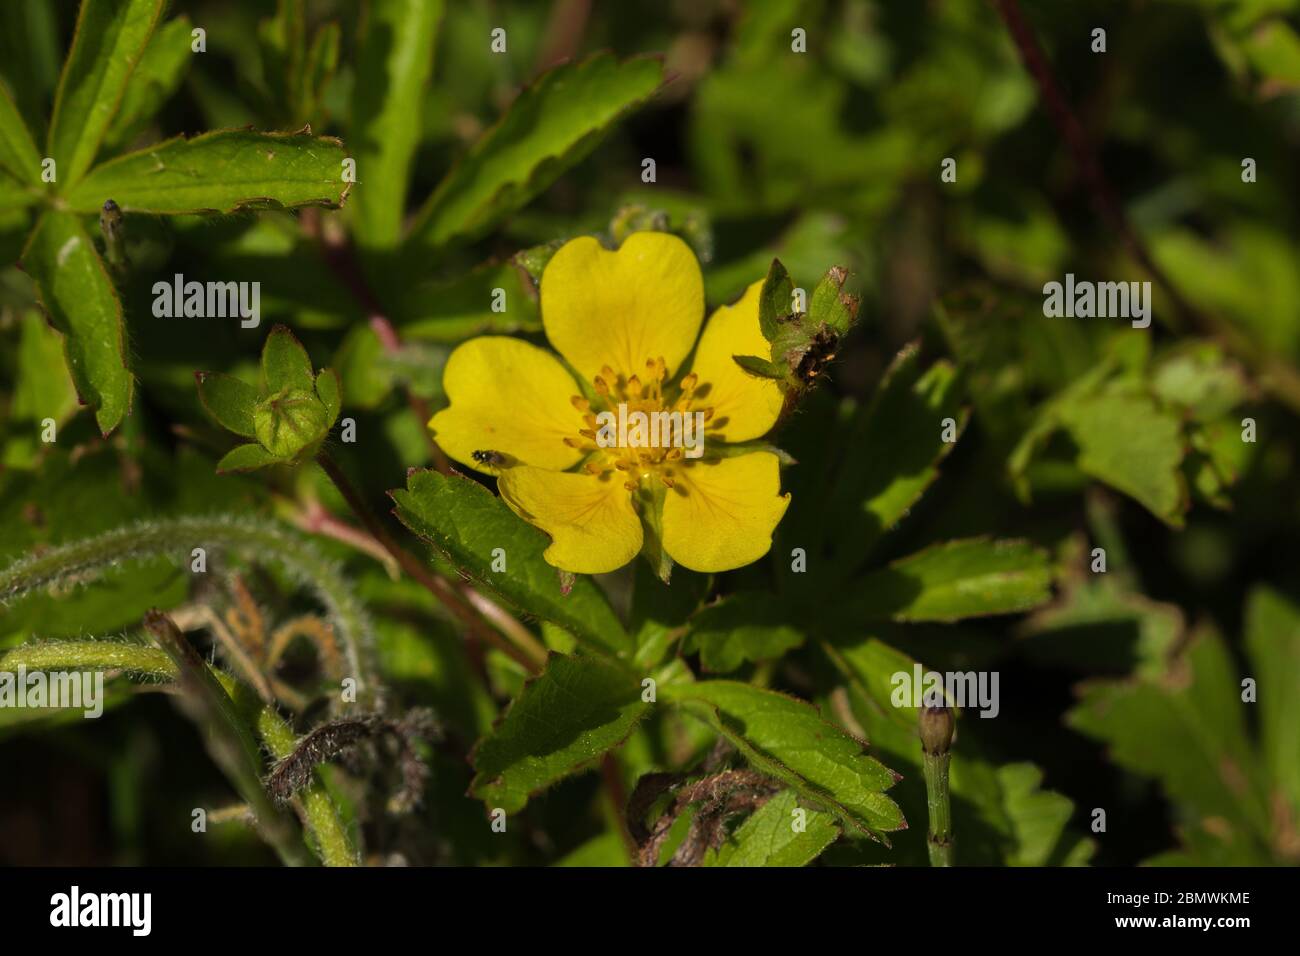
[936, 756]
[321, 816]
[260, 541]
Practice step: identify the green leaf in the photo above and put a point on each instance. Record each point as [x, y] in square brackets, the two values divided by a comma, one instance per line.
[1037, 820]
[553, 124]
[157, 76]
[746, 626]
[763, 368]
[870, 666]
[972, 577]
[1273, 640]
[229, 400]
[110, 39]
[1134, 446]
[466, 523]
[1185, 727]
[248, 457]
[285, 363]
[874, 492]
[219, 172]
[393, 68]
[831, 305]
[774, 301]
[767, 838]
[329, 390]
[18, 152]
[81, 302]
[289, 423]
[788, 739]
[565, 719]
[450, 310]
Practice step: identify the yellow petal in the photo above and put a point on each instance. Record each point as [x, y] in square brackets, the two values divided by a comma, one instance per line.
[720, 515]
[744, 406]
[509, 397]
[590, 518]
[644, 301]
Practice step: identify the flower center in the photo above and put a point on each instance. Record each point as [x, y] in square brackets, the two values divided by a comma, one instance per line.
[640, 427]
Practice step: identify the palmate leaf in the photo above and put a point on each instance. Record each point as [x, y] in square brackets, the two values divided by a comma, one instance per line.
[564, 719]
[553, 124]
[788, 739]
[79, 298]
[110, 39]
[393, 68]
[467, 523]
[219, 172]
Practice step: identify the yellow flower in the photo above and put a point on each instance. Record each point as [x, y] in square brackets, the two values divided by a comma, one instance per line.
[625, 322]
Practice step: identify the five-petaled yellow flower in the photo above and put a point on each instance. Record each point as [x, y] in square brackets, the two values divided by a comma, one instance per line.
[624, 321]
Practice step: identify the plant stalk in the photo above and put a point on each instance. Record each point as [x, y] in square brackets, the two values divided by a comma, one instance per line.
[936, 756]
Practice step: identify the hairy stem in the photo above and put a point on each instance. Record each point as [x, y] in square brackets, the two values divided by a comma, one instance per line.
[228, 738]
[321, 816]
[79, 562]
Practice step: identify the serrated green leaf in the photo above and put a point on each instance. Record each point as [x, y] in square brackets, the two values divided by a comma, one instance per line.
[553, 123]
[870, 667]
[79, 298]
[219, 172]
[789, 740]
[768, 837]
[565, 719]
[229, 400]
[1038, 820]
[111, 37]
[1134, 446]
[18, 153]
[746, 626]
[247, 458]
[156, 77]
[466, 522]
[285, 363]
[832, 306]
[393, 68]
[1186, 728]
[873, 491]
[972, 577]
[774, 300]
[1273, 640]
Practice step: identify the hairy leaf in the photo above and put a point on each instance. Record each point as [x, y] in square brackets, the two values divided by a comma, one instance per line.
[967, 578]
[110, 39]
[564, 719]
[554, 123]
[219, 172]
[81, 302]
[394, 63]
[788, 739]
[466, 523]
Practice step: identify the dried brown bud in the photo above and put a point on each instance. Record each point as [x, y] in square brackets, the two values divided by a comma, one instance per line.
[936, 729]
